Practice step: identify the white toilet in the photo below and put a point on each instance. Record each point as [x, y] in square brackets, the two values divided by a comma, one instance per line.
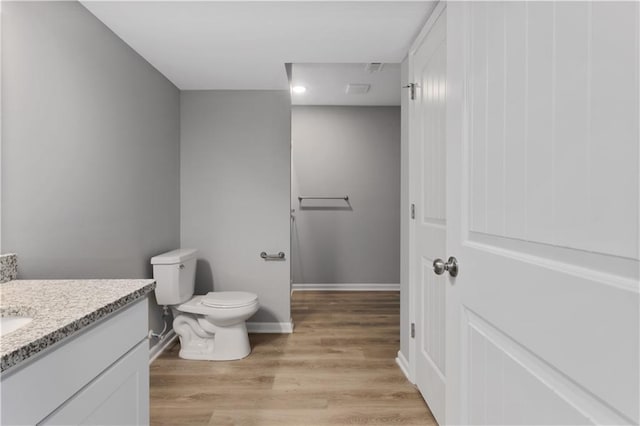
[211, 327]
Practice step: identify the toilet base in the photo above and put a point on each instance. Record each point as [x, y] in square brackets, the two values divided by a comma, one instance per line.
[202, 340]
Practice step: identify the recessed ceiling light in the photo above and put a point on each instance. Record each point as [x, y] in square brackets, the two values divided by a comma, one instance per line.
[298, 89]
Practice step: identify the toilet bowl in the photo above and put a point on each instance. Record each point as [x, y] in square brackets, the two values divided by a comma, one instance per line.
[213, 327]
[210, 327]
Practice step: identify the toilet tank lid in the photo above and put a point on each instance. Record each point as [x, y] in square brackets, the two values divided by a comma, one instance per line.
[174, 256]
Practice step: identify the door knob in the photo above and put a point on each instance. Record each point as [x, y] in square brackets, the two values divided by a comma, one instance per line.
[439, 266]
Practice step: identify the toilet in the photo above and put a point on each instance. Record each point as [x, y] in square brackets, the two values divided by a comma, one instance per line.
[211, 327]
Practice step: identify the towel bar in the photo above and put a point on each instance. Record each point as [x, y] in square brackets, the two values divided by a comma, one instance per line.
[300, 198]
[266, 256]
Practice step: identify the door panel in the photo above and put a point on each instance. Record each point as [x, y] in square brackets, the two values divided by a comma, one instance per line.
[543, 200]
[521, 387]
[432, 317]
[428, 174]
[561, 104]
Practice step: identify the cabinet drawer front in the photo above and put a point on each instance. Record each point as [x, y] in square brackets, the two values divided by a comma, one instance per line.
[36, 389]
[118, 396]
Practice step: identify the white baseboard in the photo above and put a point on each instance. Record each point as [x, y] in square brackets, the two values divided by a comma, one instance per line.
[163, 344]
[345, 287]
[270, 327]
[404, 365]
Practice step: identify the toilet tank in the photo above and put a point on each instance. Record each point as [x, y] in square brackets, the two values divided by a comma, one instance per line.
[175, 275]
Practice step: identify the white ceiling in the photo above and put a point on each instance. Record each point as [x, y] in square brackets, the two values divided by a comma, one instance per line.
[244, 45]
[326, 84]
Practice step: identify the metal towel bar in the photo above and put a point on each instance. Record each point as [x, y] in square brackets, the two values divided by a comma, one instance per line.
[300, 198]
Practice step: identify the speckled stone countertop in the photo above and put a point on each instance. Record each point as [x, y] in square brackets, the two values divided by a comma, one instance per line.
[59, 308]
[8, 267]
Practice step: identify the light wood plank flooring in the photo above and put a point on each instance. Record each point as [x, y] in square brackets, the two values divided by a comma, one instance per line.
[337, 368]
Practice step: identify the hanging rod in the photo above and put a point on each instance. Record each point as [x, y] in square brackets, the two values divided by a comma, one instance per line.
[300, 198]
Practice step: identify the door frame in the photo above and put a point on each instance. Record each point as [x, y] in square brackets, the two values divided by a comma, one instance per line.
[437, 11]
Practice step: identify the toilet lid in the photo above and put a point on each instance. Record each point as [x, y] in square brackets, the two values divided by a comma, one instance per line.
[229, 299]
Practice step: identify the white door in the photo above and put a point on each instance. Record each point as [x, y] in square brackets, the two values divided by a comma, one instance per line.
[542, 202]
[428, 160]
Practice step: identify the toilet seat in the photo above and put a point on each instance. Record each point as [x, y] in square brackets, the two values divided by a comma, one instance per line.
[228, 299]
[196, 304]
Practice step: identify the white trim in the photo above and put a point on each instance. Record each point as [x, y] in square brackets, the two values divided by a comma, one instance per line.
[270, 327]
[411, 149]
[438, 10]
[410, 288]
[433, 17]
[346, 287]
[156, 350]
[402, 362]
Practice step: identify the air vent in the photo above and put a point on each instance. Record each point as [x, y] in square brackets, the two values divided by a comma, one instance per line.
[372, 67]
[357, 89]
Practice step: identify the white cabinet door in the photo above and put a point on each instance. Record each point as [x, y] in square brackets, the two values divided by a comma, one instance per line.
[119, 396]
[59, 373]
[427, 176]
[542, 178]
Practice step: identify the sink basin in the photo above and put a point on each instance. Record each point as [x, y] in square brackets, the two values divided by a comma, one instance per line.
[11, 323]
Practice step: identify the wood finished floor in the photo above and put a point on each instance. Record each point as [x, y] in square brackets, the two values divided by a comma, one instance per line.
[337, 368]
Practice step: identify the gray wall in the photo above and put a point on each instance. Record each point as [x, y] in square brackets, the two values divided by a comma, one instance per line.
[351, 151]
[235, 186]
[90, 148]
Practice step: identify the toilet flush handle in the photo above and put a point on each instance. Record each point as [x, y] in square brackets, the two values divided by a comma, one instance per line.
[182, 266]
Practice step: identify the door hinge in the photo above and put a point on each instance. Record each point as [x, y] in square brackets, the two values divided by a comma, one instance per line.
[413, 211]
[413, 330]
[412, 90]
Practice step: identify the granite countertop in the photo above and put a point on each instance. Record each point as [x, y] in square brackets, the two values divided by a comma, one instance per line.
[59, 308]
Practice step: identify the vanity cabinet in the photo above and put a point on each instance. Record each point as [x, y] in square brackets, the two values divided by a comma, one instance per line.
[119, 396]
[98, 376]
